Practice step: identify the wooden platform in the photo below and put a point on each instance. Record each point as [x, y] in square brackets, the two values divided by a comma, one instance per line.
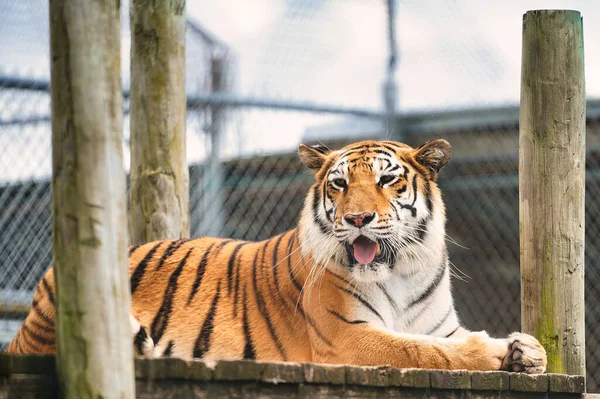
[34, 377]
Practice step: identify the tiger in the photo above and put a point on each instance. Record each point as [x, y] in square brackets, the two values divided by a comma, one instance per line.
[363, 280]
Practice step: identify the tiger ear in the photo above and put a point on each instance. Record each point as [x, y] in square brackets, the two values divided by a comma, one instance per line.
[434, 155]
[313, 156]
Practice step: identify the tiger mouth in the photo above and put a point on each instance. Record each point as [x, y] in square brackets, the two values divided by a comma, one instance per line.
[364, 250]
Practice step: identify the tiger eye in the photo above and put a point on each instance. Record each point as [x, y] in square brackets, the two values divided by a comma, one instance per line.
[385, 179]
[341, 183]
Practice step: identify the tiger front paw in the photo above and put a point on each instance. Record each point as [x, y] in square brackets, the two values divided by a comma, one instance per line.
[525, 354]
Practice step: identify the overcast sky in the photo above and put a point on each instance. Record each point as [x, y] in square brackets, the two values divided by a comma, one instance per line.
[453, 54]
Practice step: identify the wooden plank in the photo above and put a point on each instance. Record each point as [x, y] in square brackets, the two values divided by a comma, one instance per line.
[159, 178]
[171, 377]
[445, 379]
[324, 373]
[284, 372]
[27, 364]
[417, 378]
[552, 186]
[370, 376]
[529, 382]
[94, 348]
[567, 383]
[490, 380]
[28, 387]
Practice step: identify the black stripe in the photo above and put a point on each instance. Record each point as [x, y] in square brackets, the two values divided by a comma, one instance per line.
[431, 288]
[262, 307]
[274, 289]
[133, 248]
[389, 147]
[327, 212]
[362, 300]
[427, 195]
[230, 264]
[405, 174]
[352, 151]
[289, 262]
[402, 189]
[18, 342]
[417, 166]
[316, 218]
[222, 245]
[285, 305]
[36, 308]
[384, 152]
[45, 329]
[275, 260]
[37, 337]
[169, 349]
[411, 207]
[139, 340]
[161, 320]
[173, 246]
[202, 344]
[200, 273]
[140, 269]
[348, 283]
[48, 290]
[236, 289]
[388, 296]
[249, 352]
[26, 340]
[452, 333]
[295, 302]
[345, 320]
[422, 227]
[439, 323]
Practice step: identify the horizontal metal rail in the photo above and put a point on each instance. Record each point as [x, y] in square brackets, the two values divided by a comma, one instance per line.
[413, 122]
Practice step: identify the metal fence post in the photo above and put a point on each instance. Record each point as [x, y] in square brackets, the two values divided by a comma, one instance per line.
[390, 86]
[94, 347]
[552, 186]
[213, 178]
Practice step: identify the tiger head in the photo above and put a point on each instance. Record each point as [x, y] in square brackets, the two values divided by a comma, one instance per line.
[375, 208]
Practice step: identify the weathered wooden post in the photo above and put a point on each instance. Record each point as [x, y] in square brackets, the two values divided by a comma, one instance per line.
[159, 194]
[94, 347]
[552, 186]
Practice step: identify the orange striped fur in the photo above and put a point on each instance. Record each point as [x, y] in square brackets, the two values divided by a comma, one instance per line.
[363, 280]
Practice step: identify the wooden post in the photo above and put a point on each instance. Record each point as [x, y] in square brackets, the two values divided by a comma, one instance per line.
[94, 346]
[212, 215]
[552, 186]
[159, 194]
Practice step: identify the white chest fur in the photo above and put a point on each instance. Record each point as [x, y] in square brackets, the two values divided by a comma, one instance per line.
[418, 302]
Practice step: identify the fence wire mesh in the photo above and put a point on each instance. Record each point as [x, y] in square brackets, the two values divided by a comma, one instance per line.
[255, 187]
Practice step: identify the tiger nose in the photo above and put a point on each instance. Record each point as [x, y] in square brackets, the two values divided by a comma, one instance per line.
[359, 219]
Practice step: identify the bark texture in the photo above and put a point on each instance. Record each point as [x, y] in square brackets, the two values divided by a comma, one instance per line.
[552, 186]
[159, 175]
[94, 349]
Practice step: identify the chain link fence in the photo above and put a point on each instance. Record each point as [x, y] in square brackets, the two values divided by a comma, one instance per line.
[255, 185]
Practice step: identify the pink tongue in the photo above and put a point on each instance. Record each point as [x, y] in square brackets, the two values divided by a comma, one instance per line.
[364, 250]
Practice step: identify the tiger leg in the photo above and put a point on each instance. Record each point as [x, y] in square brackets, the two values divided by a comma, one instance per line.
[143, 344]
[362, 344]
[524, 354]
